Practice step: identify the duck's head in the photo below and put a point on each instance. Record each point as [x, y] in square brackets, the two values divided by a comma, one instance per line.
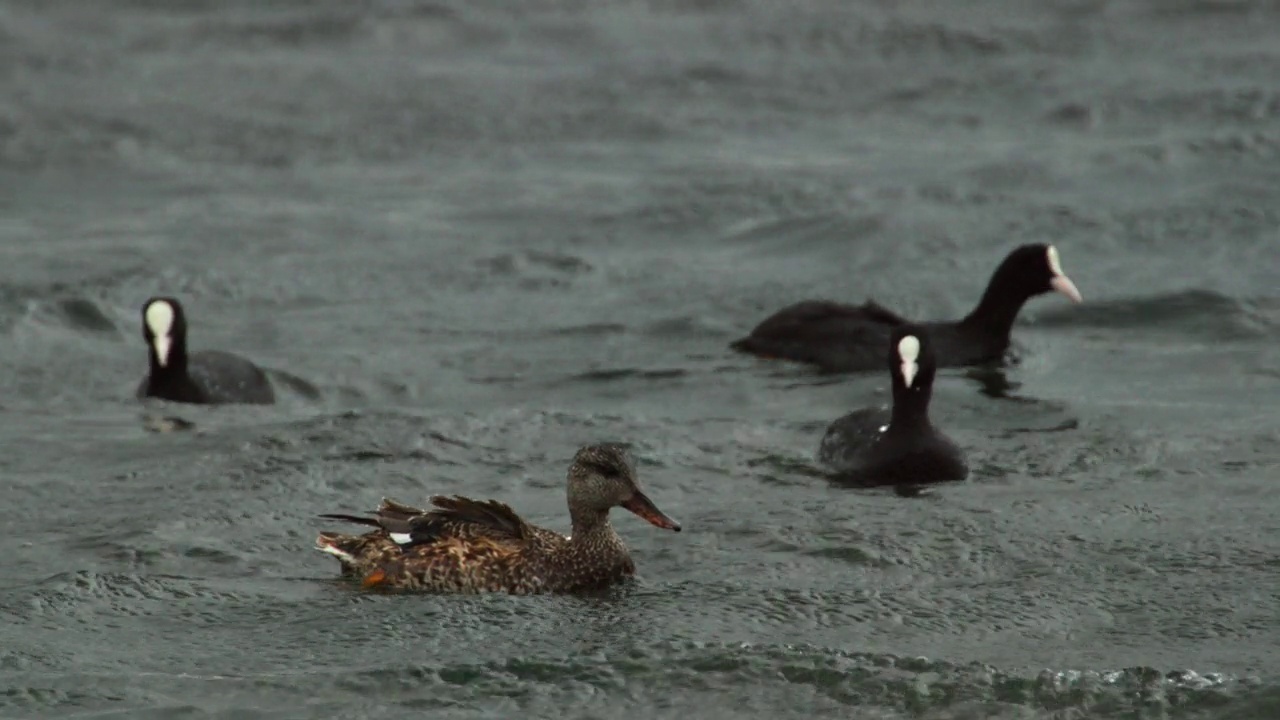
[603, 477]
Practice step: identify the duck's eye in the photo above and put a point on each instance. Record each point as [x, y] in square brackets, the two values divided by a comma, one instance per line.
[608, 471]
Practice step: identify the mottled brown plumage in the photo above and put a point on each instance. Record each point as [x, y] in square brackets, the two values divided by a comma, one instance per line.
[469, 546]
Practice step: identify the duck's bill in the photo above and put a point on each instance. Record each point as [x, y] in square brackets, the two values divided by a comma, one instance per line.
[644, 507]
[1063, 284]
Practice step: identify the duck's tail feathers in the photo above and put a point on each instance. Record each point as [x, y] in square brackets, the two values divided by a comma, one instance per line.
[338, 545]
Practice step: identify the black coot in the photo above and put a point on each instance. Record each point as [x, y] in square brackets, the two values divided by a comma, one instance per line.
[872, 447]
[850, 338]
[209, 377]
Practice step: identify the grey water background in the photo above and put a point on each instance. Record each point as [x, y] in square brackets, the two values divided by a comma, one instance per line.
[468, 237]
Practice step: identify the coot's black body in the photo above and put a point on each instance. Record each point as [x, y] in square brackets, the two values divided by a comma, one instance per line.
[901, 447]
[837, 337]
[209, 377]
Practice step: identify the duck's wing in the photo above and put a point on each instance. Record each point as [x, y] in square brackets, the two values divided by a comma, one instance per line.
[453, 518]
[463, 518]
[389, 512]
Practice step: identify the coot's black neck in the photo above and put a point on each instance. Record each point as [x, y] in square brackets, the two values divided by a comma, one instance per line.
[176, 363]
[911, 404]
[171, 381]
[996, 312]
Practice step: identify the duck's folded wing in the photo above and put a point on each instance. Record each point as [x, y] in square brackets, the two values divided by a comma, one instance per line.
[461, 518]
[451, 518]
[390, 516]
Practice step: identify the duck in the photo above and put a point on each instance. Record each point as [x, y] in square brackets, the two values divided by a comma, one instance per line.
[466, 546]
[841, 338]
[866, 449]
[207, 377]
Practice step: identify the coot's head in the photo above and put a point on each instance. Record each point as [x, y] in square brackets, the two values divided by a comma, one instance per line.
[911, 360]
[1032, 270]
[602, 477]
[164, 327]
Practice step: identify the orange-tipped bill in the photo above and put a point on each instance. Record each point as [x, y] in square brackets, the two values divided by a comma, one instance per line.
[644, 507]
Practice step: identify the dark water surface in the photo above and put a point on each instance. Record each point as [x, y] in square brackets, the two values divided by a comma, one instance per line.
[472, 236]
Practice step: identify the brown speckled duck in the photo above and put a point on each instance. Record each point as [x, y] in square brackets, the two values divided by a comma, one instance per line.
[471, 546]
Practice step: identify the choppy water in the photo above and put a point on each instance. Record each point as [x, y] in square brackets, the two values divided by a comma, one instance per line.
[478, 235]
